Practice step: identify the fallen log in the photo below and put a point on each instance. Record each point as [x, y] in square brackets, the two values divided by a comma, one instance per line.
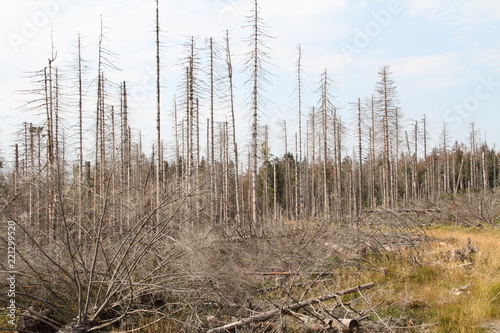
[403, 211]
[273, 313]
[289, 273]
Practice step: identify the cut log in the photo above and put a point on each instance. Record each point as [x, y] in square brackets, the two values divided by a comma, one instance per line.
[348, 325]
[273, 313]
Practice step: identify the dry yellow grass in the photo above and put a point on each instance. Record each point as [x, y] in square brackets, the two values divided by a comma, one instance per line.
[467, 311]
[422, 284]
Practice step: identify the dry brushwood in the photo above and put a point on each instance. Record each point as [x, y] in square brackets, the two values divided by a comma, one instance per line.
[287, 309]
[465, 254]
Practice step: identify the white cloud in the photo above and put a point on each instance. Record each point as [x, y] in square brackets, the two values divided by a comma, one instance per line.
[472, 14]
[432, 9]
[480, 11]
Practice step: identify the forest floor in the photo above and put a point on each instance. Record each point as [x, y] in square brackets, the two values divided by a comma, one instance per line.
[428, 278]
[429, 275]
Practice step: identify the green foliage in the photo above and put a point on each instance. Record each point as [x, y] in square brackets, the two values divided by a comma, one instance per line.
[281, 165]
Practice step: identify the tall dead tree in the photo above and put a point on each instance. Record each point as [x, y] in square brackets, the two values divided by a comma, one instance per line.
[325, 103]
[338, 132]
[446, 163]
[79, 67]
[233, 126]
[414, 164]
[359, 206]
[424, 138]
[472, 142]
[298, 176]
[372, 153]
[386, 99]
[192, 92]
[255, 60]
[159, 149]
[212, 137]
[51, 193]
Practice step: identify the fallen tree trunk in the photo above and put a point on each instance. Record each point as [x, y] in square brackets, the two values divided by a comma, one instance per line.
[273, 313]
[289, 273]
[404, 211]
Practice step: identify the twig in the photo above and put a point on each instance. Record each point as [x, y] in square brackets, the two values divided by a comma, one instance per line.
[375, 312]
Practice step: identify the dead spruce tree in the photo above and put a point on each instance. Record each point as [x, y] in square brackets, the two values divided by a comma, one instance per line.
[233, 126]
[388, 111]
[159, 150]
[256, 59]
[298, 187]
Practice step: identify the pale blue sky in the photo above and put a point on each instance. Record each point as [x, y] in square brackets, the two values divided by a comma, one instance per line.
[444, 55]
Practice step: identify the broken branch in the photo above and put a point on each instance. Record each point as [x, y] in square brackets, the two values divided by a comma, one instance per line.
[273, 313]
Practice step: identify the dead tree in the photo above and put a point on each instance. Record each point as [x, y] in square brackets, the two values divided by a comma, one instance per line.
[233, 126]
[386, 101]
[159, 149]
[325, 103]
[360, 162]
[255, 60]
[298, 176]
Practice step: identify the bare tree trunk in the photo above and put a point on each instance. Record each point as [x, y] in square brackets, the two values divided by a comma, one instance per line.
[102, 137]
[265, 196]
[473, 177]
[188, 139]
[426, 175]
[233, 125]
[313, 166]
[16, 168]
[288, 176]
[158, 116]
[298, 182]
[275, 194]
[407, 190]
[98, 167]
[51, 195]
[125, 151]
[225, 162]
[395, 160]
[176, 133]
[324, 106]
[255, 108]
[212, 138]
[415, 161]
[485, 172]
[360, 162]
[298, 176]
[113, 164]
[372, 156]
[80, 138]
[446, 173]
[338, 152]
